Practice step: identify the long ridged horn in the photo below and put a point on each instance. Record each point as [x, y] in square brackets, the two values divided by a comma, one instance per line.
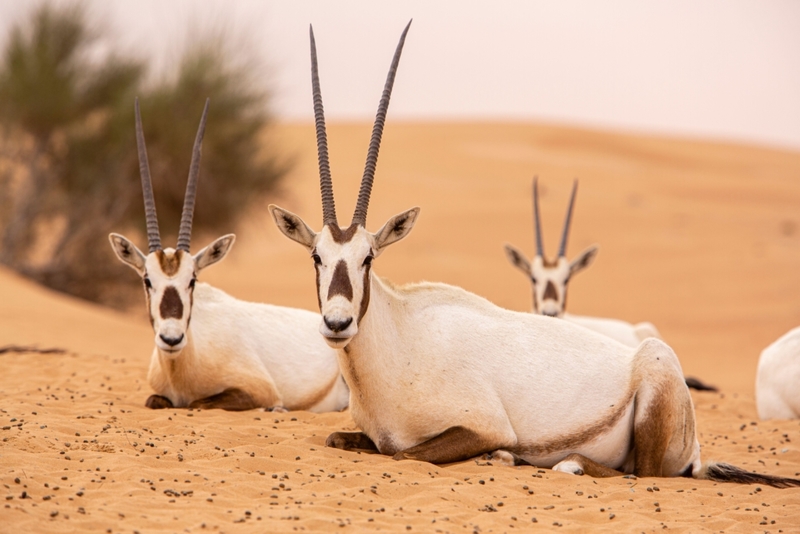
[153, 236]
[537, 223]
[185, 231]
[325, 183]
[562, 250]
[360, 213]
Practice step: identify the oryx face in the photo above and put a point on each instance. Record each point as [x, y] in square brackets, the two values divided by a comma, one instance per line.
[343, 257]
[169, 275]
[550, 278]
[343, 261]
[549, 281]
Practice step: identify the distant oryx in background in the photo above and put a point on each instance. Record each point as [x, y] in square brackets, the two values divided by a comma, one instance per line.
[212, 350]
[550, 278]
[778, 378]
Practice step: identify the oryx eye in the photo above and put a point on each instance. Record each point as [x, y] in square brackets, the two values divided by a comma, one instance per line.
[191, 284]
[317, 259]
[368, 260]
[147, 283]
[533, 279]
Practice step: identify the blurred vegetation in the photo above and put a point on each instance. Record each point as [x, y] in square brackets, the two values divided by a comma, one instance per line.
[68, 162]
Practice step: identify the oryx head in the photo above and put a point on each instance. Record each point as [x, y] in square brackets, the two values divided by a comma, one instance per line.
[343, 256]
[550, 278]
[168, 274]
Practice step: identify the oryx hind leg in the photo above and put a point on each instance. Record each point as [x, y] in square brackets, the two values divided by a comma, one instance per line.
[455, 444]
[664, 427]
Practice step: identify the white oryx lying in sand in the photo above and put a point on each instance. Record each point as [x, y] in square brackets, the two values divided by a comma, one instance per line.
[236, 355]
[441, 375]
[778, 378]
[550, 279]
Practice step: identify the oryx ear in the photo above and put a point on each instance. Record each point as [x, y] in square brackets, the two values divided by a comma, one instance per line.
[293, 226]
[583, 260]
[214, 252]
[127, 252]
[518, 259]
[395, 229]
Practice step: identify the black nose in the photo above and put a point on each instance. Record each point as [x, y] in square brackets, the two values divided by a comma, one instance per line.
[171, 341]
[550, 314]
[337, 326]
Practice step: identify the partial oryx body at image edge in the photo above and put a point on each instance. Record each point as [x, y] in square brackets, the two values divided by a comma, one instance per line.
[438, 374]
[215, 351]
[550, 279]
[778, 378]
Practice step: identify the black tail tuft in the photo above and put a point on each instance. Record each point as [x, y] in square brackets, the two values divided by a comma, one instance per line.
[731, 473]
[696, 383]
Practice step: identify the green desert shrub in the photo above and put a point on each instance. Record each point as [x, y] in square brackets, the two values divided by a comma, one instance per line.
[68, 162]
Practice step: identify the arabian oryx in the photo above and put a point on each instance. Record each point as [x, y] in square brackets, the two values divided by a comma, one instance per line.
[438, 374]
[777, 379]
[212, 350]
[550, 279]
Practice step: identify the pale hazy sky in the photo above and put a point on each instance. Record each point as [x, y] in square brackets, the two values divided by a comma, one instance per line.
[724, 69]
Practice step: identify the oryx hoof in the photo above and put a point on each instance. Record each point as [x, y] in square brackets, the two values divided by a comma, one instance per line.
[569, 466]
[277, 409]
[498, 457]
[158, 402]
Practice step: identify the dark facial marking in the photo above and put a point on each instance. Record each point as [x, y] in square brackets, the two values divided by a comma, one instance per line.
[550, 291]
[169, 263]
[316, 270]
[343, 236]
[548, 263]
[171, 306]
[365, 296]
[340, 283]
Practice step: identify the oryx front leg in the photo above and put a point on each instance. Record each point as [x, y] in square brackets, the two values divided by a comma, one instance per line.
[577, 464]
[502, 457]
[453, 445]
[232, 399]
[158, 402]
[351, 441]
[664, 437]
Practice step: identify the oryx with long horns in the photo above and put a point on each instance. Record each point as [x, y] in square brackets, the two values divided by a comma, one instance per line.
[212, 350]
[549, 280]
[438, 374]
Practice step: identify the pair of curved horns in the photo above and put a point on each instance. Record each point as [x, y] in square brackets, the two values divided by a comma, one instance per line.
[326, 185]
[562, 249]
[185, 231]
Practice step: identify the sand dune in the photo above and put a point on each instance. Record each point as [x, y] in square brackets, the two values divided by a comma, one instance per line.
[701, 239]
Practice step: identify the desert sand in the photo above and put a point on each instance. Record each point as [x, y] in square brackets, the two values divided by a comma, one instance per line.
[700, 238]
